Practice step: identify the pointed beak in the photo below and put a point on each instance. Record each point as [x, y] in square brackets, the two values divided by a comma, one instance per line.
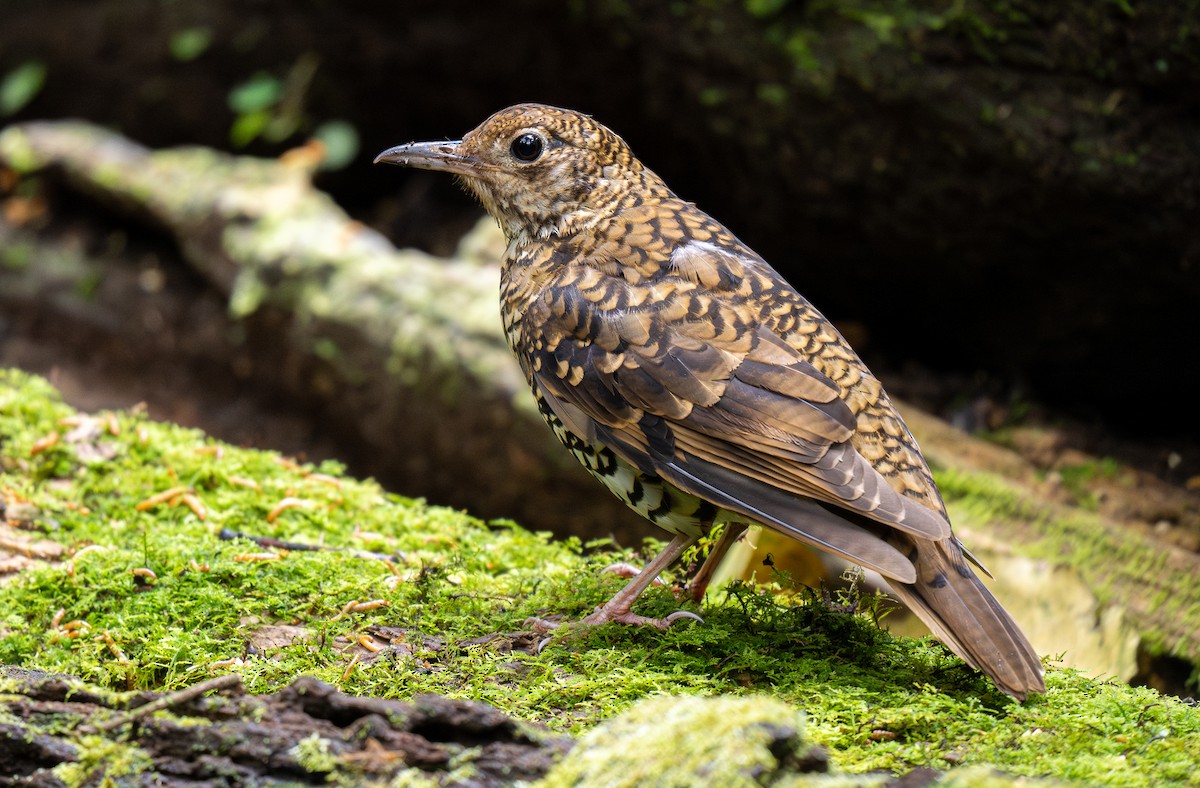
[439, 156]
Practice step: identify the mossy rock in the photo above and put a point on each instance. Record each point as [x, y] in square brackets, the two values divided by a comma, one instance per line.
[669, 740]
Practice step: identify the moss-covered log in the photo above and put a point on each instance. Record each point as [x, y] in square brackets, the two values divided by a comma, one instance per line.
[307, 733]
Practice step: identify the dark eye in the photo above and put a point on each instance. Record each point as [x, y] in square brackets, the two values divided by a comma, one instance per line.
[527, 147]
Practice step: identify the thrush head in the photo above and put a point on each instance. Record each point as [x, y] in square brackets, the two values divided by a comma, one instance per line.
[539, 170]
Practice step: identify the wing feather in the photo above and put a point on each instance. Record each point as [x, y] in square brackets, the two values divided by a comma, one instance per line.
[738, 417]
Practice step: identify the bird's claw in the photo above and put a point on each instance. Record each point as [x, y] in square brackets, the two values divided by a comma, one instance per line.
[627, 570]
[542, 626]
[602, 616]
[546, 627]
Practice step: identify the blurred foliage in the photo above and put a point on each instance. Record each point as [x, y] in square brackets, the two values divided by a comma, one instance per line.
[274, 109]
[253, 102]
[190, 43]
[341, 142]
[21, 85]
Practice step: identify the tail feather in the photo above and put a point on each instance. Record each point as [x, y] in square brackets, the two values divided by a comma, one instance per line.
[961, 612]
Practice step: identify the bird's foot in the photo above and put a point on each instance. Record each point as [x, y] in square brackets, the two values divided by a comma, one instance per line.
[627, 571]
[604, 616]
[619, 608]
[542, 626]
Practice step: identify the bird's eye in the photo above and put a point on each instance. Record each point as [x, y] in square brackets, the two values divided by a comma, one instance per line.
[527, 147]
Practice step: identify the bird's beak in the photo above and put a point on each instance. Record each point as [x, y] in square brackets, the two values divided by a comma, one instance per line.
[439, 156]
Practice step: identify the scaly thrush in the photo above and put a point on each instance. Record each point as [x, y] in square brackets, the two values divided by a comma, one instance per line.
[698, 385]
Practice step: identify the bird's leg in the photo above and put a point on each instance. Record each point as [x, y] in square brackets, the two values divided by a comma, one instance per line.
[698, 585]
[619, 607]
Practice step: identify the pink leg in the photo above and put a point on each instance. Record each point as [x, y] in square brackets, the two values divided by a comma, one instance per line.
[619, 607]
[699, 584]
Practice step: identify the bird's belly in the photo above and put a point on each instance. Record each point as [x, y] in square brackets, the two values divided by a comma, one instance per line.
[661, 503]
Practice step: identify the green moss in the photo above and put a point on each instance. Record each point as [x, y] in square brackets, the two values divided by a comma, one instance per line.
[1077, 477]
[102, 761]
[984, 496]
[314, 754]
[197, 612]
[458, 588]
[16, 151]
[689, 741]
[744, 741]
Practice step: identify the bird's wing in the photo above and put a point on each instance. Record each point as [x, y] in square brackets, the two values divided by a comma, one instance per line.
[689, 389]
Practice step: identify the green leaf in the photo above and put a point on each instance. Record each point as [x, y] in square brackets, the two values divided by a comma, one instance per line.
[340, 139]
[20, 85]
[256, 94]
[191, 43]
[248, 127]
[763, 8]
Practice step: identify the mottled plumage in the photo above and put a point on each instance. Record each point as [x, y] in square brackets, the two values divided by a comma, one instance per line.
[698, 385]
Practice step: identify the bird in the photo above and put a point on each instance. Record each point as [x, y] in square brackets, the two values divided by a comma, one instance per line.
[699, 386]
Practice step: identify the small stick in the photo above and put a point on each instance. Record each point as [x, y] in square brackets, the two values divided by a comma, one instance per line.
[267, 541]
[166, 701]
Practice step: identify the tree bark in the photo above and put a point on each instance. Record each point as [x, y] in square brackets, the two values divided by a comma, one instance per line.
[307, 733]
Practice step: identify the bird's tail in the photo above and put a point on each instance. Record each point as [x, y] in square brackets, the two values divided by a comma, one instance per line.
[961, 612]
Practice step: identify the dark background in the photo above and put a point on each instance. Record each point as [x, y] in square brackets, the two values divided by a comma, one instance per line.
[993, 200]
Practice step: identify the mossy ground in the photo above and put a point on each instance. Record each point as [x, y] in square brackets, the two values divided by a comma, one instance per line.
[876, 702]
